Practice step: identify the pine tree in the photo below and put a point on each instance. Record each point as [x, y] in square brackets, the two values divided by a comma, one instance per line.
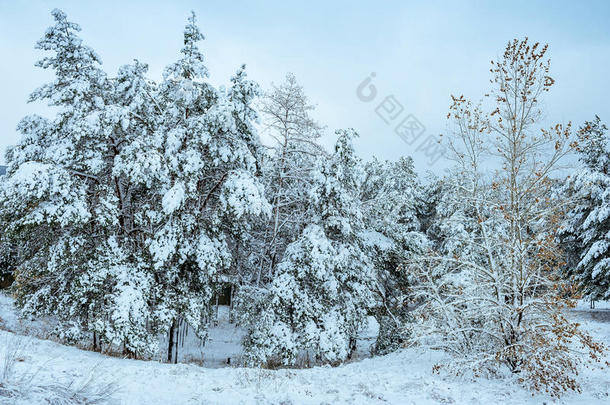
[83, 175]
[122, 274]
[51, 197]
[585, 229]
[318, 301]
[126, 207]
[391, 198]
[210, 187]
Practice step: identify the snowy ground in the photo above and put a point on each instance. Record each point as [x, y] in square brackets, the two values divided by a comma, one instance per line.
[401, 378]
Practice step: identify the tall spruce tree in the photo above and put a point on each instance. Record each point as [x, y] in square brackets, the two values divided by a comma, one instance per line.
[585, 231]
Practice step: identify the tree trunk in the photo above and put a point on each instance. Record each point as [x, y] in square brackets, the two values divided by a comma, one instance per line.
[231, 297]
[352, 347]
[216, 317]
[170, 344]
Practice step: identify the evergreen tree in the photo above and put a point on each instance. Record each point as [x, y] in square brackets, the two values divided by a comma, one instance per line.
[52, 199]
[391, 198]
[121, 274]
[585, 231]
[210, 187]
[319, 299]
[125, 206]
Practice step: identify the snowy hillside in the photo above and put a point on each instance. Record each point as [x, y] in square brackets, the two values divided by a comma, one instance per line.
[404, 377]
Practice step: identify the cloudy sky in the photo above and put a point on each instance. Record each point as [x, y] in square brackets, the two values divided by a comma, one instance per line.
[420, 52]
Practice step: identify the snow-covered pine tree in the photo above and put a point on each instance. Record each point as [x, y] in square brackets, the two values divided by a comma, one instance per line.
[7, 261]
[210, 186]
[53, 193]
[391, 197]
[124, 276]
[245, 235]
[84, 177]
[318, 301]
[585, 231]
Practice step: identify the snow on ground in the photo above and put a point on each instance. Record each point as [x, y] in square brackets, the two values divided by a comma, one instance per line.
[404, 377]
[223, 342]
[585, 304]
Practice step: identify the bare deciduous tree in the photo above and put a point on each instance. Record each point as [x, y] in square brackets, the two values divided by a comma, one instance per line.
[499, 300]
[286, 112]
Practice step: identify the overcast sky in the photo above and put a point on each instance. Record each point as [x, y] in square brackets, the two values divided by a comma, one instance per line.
[420, 52]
